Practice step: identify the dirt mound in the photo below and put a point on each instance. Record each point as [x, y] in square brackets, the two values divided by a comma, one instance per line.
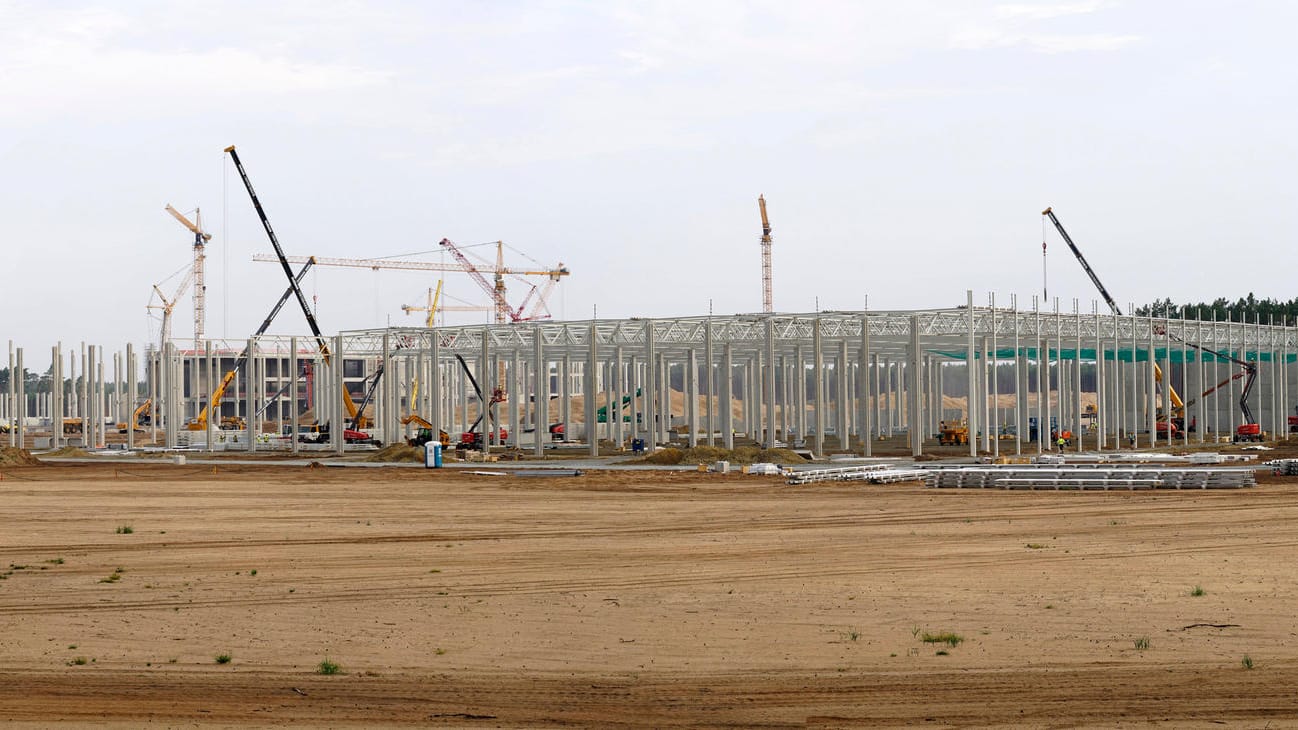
[10, 456]
[68, 451]
[709, 454]
[398, 453]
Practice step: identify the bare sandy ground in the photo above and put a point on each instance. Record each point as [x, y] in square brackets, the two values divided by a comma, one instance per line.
[635, 600]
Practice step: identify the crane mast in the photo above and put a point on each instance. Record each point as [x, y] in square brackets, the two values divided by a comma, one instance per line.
[767, 302]
[200, 250]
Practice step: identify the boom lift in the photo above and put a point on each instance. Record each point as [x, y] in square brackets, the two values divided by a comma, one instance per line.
[359, 421]
[1175, 422]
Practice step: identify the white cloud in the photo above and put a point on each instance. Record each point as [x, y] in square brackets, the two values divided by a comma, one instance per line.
[1045, 12]
[973, 39]
[62, 62]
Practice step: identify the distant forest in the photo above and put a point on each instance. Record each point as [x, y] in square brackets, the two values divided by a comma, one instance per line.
[1246, 309]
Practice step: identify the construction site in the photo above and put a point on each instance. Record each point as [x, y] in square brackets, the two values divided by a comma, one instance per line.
[1023, 513]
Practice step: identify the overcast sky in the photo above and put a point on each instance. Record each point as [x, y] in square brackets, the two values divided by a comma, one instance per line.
[906, 150]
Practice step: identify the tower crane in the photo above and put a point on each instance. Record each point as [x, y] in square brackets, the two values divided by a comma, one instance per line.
[200, 246]
[434, 306]
[169, 304]
[497, 291]
[504, 312]
[767, 303]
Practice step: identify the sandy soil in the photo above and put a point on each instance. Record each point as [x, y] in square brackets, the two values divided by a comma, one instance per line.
[635, 600]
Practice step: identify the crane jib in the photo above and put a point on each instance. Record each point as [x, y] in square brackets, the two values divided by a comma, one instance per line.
[279, 251]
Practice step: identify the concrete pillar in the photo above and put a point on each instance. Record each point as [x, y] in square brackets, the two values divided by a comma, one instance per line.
[21, 412]
[650, 385]
[709, 383]
[863, 389]
[842, 404]
[565, 389]
[11, 412]
[1152, 413]
[589, 386]
[517, 392]
[692, 397]
[768, 385]
[818, 379]
[614, 413]
[540, 394]
[800, 386]
[916, 401]
[727, 397]
[131, 393]
[971, 408]
[337, 414]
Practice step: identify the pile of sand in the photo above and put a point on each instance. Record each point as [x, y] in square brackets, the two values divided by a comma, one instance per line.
[398, 453]
[10, 456]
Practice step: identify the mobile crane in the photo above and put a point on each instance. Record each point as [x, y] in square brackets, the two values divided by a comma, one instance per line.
[1174, 423]
[199, 423]
[358, 419]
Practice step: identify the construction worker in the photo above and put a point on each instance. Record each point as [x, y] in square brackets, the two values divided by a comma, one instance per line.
[1061, 442]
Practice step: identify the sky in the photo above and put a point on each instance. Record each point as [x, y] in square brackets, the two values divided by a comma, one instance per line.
[905, 150]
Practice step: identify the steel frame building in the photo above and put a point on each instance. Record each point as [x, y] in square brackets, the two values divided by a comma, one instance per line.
[834, 380]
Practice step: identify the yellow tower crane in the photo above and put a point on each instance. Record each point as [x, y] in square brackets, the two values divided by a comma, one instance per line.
[767, 303]
[200, 287]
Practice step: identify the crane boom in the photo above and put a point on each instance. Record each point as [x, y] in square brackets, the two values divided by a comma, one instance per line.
[1082, 260]
[1177, 404]
[279, 252]
[288, 272]
[200, 422]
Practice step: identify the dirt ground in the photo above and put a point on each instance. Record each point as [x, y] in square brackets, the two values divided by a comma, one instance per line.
[635, 599]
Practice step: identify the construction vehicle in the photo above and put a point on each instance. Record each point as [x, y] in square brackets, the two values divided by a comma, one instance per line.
[359, 421]
[1172, 424]
[425, 432]
[601, 414]
[1177, 409]
[141, 416]
[474, 439]
[953, 433]
[236, 423]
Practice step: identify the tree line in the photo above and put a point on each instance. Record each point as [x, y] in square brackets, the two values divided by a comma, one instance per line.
[1244, 309]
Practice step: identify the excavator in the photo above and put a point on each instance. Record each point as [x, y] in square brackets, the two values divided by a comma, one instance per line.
[1172, 424]
[359, 421]
[141, 416]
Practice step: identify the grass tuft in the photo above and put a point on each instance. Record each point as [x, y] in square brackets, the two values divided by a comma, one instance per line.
[223, 658]
[125, 530]
[329, 667]
[1197, 591]
[78, 661]
[946, 637]
[1141, 644]
[1246, 662]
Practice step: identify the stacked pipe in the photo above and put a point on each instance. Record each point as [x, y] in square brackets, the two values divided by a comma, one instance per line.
[1084, 477]
[873, 473]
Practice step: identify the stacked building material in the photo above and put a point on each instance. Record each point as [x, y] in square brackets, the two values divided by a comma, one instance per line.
[873, 473]
[1287, 467]
[1089, 477]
